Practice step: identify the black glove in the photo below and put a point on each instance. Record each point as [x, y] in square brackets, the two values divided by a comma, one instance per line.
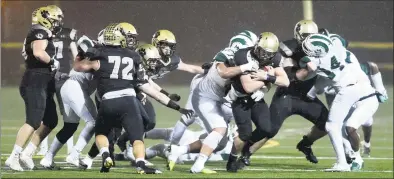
[187, 112]
[174, 97]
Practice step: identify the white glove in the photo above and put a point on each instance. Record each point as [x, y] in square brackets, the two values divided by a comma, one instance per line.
[55, 65]
[258, 95]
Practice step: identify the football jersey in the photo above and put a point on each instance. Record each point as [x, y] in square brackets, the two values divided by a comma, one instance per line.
[245, 56]
[212, 85]
[37, 32]
[291, 49]
[120, 68]
[163, 69]
[341, 67]
[62, 41]
[85, 79]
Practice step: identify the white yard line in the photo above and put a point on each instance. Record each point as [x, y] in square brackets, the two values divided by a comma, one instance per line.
[262, 157]
[255, 169]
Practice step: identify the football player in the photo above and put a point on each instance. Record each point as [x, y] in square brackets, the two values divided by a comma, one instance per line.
[242, 40]
[119, 72]
[267, 70]
[375, 77]
[37, 86]
[64, 42]
[165, 42]
[330, 62]
[209, 104]
[75, 94]
[292, 100]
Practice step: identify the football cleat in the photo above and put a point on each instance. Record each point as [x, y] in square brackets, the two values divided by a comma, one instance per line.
[13, 163]
[143, 169]
[305, 147]
[107, 163]
[338, 168]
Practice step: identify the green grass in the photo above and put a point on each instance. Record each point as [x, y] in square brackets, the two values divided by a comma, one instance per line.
[291, 163]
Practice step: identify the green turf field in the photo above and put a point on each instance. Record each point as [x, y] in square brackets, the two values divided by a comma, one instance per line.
[281, 160]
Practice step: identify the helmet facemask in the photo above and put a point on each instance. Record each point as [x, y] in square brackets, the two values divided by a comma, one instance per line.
[262, 55]
[166, 49]
[131, 41]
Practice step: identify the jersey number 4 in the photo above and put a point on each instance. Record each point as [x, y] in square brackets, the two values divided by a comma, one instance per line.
[126, 71]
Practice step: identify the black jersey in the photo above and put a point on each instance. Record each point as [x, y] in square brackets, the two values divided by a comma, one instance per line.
[292, 49]
[163, 69]
[62, 41]
[120, 68]
[37, 32]
[245, 56]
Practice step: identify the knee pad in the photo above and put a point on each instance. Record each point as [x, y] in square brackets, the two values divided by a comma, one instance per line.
[66, 132]
[245, 136]
[135, 137]
[332, 126]
[34, 123]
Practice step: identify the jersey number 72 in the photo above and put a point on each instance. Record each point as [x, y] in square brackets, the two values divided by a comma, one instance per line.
[126, 71]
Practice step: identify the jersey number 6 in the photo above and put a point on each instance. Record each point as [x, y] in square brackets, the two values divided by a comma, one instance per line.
[126, 75]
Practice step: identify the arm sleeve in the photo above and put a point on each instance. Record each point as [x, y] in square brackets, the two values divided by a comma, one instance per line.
[92, 53]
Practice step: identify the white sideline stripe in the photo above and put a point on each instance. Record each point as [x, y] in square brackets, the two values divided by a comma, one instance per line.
[323, 158]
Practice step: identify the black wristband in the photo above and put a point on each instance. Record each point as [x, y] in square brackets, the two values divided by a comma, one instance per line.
[51, 61]
[164, 92]
[171, 104]
[271, 79]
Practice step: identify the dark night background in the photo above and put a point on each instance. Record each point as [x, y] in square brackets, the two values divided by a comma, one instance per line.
[202, 28]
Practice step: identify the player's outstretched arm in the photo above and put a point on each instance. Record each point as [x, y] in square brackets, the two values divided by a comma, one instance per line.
[163, 99]
[174, 97]
[281, 77]
[190, 68]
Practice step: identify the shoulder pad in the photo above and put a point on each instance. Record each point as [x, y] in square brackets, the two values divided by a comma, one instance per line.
[40, 33]
[224, 55]
[288, 47]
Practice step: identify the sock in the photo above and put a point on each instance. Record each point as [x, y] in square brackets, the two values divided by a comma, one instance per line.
[29, 150]
[139, 159]
[177, 132]
[17, 150]
[337, 142]
[368, 145]
[70, 144]
[84, 137]
[159, 133]
[183, 149]
[378, 82]
[44, 144]
[200, 163]
[55, 146]
[104, 149]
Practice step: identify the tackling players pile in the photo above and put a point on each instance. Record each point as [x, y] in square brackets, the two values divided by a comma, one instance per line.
[232, 86]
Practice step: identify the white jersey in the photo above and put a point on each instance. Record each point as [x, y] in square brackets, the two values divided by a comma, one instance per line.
[212, 85]
[85, 79]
